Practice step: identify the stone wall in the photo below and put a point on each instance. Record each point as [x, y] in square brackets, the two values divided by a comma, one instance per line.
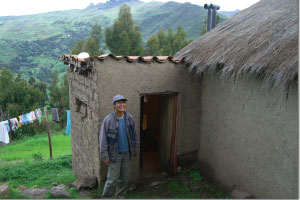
[84, 106]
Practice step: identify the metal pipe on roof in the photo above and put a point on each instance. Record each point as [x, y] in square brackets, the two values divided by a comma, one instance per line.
[211, 16]
[208, 19]
[214, 15]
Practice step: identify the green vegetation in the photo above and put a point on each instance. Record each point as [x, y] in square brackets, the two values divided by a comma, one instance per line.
[92, 44]
[166, 44]
[18, 96]
[124, 38]
[35, 148]
[39, 174]
[26, 162]
[32, 44]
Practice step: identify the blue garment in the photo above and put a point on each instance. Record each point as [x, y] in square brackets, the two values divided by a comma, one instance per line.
[25, 119]
[68, 128]
[122, 139]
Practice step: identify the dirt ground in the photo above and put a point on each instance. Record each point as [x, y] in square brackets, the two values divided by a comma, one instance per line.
[187, 184]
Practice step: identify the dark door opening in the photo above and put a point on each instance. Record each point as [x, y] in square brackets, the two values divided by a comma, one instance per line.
[158, 133]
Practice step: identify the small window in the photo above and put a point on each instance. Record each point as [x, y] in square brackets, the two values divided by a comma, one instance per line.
[81, 108]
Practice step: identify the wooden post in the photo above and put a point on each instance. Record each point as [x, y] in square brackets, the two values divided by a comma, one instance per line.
[49, 135]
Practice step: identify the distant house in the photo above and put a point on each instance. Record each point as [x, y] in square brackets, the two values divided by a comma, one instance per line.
[228, 101]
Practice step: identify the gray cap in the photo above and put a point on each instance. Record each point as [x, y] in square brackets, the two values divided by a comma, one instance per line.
[118, 97]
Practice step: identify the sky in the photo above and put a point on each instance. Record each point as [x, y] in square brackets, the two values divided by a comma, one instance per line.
[22, 7]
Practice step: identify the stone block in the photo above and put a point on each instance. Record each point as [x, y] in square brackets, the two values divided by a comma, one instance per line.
[59, 192]
[36, 193]
[4, 190]
[238, 194]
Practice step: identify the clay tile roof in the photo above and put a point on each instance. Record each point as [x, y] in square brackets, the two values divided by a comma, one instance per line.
[132, 58]
[102, 57]
[160, 59]
[147, 58]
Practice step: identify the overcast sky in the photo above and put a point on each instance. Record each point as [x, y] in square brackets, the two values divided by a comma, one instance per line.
[24, 7]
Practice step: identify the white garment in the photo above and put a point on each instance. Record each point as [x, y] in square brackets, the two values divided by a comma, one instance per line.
[4, 133]
[39, 115]
[14, 122]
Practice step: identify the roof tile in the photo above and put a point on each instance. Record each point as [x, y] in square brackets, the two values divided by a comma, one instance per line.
[159, 59]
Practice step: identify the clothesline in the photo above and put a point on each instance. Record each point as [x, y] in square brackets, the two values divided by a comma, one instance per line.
[13, 124]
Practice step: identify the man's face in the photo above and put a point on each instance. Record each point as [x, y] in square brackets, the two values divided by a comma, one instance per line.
[120, 106]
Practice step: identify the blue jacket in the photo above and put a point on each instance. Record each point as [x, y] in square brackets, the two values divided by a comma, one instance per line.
[109, 133]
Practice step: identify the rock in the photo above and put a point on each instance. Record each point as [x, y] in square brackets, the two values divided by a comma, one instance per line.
[164, 174]
[77, 183]
[4, 190]
[85, 193]
[179, 169]
[22, 188]
[184, 179]
[238, 194]
[155, 183]
[132, 187]
[59, 192]
[54, 184]
[196, 187]
[86, 182]
[36, 193]
[70, 185]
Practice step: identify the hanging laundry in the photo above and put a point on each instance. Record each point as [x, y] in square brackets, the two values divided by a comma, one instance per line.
[20, 120]
[68, 128]
[4, 132]
[33, 115]
[29, 117]
[54, 114]
[10, 125]
[39, 112]
[14, 123]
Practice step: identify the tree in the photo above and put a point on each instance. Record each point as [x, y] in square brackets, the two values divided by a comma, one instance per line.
[152, 47]
[92, 44]
[97, 33]
[64, 88]
[166, 44]
[55, 95]
[124, 38]
[78, 47]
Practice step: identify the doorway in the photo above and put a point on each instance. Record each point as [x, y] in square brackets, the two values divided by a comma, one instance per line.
[158, 131]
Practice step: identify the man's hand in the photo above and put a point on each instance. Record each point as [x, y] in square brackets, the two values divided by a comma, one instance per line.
[135, 154]
[106, 162]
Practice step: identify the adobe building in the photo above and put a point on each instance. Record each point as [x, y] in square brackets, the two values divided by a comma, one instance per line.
[159, 87]
[228, 102]
[249, 135]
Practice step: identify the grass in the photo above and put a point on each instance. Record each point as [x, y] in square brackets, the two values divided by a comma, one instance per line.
[35, 148]
[26, 162]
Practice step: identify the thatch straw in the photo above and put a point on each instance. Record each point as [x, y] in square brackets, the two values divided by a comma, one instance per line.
[261, 40]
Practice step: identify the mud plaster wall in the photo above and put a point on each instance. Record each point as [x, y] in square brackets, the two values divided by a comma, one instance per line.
[85, 123]
[249, 137]
[134, 79]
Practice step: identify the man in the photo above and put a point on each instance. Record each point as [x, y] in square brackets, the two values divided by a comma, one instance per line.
[118, 143]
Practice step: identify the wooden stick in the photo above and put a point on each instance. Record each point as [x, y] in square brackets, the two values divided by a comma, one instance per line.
[49, 135]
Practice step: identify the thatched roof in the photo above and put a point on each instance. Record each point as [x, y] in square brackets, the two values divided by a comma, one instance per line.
[261, 40]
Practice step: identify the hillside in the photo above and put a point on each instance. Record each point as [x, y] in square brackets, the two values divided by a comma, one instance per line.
[31, 44]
